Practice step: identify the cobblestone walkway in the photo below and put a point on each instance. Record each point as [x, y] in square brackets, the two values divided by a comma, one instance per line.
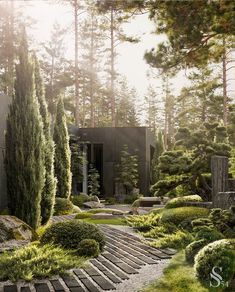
[124, 257]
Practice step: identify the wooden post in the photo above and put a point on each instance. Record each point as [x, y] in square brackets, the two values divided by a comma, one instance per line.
[219, 171]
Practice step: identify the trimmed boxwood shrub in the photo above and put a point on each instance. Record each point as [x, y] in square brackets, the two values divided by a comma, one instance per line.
[219, 253]
[181, 201]
[177, 215]
[70, 233]
[88, 248]
[207, 233]
[193, 248]
[63, 206]
[78, 200]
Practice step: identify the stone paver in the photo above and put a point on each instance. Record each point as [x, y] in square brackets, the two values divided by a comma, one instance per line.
[124, 257]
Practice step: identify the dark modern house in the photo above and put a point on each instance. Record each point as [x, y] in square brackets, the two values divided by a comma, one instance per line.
[102, 148]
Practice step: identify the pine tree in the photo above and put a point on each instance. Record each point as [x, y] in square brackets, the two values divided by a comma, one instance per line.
[62, 153]
[159, 149]
[49, 189]
[25, 144]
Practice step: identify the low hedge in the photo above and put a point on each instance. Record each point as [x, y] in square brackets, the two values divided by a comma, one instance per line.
[181, 201]
[177, 215]
[83, 215]
[70, 233]
[219, 254]
[193, 248]
[88, 248]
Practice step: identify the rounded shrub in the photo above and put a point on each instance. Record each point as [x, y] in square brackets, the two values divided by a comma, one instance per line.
[193, 248]
[208, 233]
[88, 248]
[182, 201]
[177, 215]
[63, 206]
[219, 254]
[76, 209]
[78, 200]
[70, 233]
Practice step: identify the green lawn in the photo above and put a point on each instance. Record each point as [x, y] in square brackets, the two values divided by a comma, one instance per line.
[115, 221]
[177, 277]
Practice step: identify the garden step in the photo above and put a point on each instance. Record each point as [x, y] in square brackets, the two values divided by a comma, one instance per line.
[85, 281]
[57, 286]
[10, 288]
[106, 272]
[41, 287]
[26, 289]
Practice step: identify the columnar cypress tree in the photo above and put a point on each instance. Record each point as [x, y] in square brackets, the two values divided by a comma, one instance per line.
[25, 144]
[49, 189]
[62, 153]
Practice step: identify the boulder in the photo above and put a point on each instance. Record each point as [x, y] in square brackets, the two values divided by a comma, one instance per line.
[12, 228]
[12, 245]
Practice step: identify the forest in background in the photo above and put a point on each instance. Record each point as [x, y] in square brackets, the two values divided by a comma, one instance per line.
[189, 127]
[99, 96]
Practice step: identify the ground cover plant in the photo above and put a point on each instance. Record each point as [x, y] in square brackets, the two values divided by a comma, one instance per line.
[36, 261]
[177, 277]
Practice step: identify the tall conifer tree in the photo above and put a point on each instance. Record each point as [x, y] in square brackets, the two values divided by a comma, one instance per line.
[62, 153]
[25, 144]
[49, 190]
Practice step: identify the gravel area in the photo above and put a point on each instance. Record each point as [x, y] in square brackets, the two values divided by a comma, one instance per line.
[146, 276]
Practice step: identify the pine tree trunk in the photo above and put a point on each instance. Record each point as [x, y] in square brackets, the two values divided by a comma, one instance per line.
[92, 72]
[225, 97]
[76, 103]
[112, 69]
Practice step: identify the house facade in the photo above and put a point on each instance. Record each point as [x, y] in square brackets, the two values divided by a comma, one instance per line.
[102, 148]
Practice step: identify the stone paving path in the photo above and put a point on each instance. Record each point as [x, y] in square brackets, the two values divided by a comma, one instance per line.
[123, 258]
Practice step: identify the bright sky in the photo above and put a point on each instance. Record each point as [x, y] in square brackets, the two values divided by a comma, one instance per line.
[130, 56]
[130, 61]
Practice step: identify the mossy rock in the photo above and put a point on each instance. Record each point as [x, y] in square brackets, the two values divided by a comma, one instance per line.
[12, 227]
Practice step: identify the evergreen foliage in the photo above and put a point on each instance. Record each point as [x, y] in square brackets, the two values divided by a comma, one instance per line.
[62, 153]
[128, 170]
[159, 149]
[185, 169]
[49, 189]
[77, 162]
[25, 144]
[93, 182]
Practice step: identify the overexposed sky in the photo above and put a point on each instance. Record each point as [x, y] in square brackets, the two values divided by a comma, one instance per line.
[130, 61]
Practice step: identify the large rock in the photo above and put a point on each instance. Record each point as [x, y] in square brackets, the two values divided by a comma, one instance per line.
[12, 228]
